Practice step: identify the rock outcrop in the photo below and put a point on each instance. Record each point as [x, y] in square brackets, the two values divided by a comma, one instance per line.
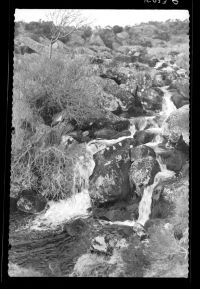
[177, 125]
[110, 182]
[142, 173]
[31, 202]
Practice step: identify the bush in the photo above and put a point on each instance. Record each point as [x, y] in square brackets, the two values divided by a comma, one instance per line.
[117, 29]
[87, 32]
[166, 253]
[107, 36]
[55, 85]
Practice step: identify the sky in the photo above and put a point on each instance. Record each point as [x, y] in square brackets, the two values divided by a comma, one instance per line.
[104, 17]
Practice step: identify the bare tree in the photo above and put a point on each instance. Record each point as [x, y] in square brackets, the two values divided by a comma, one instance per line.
[63, 23]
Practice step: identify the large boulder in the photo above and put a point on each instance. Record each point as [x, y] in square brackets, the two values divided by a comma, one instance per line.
[142, 173]
[174, 159]
[140, 152]
[76, 227]
[122, 35]
[110, 102]
[177, 125]
[31, 202]
[113, 73]
[142, 137]
[25, 43]
[127, 100]
[178, 99]
[152, 99]
[158, 80]
[110, 182]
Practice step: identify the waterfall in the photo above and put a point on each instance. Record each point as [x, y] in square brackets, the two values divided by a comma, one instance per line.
[167, 105]
[99, 144]
[76, 205]
[145, 203]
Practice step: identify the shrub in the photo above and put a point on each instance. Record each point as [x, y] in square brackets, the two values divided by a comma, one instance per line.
[51, 86]
[166, 253]
[162, 35]
[45, 166]
[117, 29]
[87, 32]
[107, 36]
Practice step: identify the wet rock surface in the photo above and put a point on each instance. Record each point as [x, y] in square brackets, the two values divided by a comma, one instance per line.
[142, 172]
[31, 202]
[142, 137]
[109, 181]
[177, 125]
[140, 152]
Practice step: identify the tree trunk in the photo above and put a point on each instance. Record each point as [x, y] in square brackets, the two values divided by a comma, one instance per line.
[50, 50]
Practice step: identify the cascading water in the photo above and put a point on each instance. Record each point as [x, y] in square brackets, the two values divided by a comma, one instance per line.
[75, 206]
[145, 203]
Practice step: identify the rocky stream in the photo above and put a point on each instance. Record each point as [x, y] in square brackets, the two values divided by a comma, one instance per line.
[103, 211]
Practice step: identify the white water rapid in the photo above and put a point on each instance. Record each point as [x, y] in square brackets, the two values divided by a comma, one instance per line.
[75, 206]
[164, 174]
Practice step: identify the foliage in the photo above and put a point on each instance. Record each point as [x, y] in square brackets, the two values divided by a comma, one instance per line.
[39, 28]
[51, 86]
[162, 35]
[166, 253]
[87, 32]
[107, 36]
[117, 29]
[46, 165]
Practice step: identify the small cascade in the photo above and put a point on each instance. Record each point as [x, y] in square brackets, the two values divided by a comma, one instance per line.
[99, 144]
[75, 206]
[145, 203]
[167, 105]
[62, 211]
[82, 171]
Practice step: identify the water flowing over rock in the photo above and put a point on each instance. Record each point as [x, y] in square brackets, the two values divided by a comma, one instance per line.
[145, 204]
[76, 205]
[105, 133]
[174, 159]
